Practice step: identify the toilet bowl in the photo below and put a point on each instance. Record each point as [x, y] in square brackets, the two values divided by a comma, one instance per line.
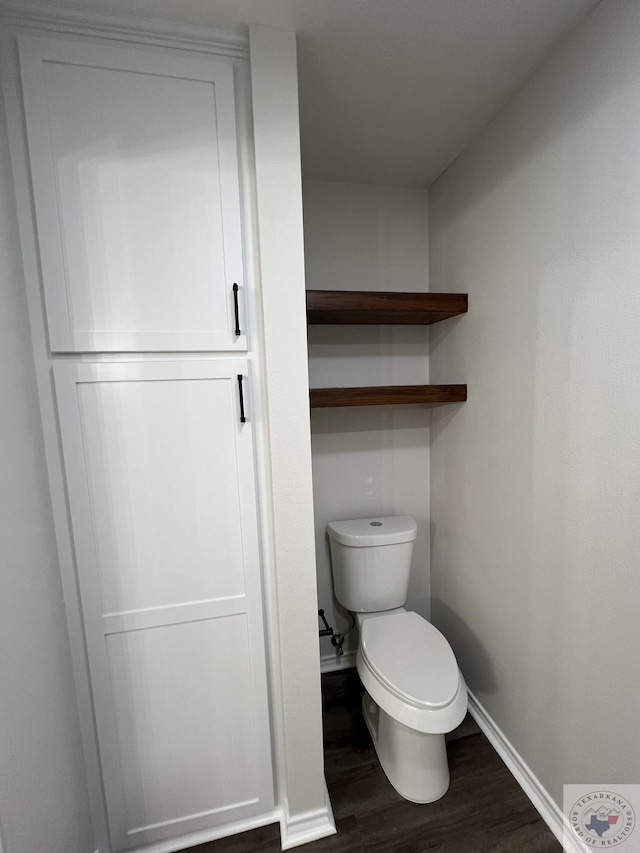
[415, 692]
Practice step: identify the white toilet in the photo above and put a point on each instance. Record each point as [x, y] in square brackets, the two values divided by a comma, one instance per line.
[415, 692]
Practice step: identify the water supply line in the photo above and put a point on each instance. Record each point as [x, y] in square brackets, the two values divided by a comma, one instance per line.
[337, 640]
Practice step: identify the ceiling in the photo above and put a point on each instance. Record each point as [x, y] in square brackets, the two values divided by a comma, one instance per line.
[391, 91]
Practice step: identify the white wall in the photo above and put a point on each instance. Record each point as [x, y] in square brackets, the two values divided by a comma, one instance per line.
[43, 797]
[368, 461]
[536, 479]
[289, 509]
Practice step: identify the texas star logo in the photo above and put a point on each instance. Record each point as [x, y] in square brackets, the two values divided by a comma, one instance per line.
[602, 819]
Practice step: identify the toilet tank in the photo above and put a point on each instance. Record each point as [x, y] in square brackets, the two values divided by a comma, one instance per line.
[371, 561]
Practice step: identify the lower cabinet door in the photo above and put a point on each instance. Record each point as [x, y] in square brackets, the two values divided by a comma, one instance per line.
[160, 477]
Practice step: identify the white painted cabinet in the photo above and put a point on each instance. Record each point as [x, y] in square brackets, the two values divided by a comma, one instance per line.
[133, 160]
[134, 167]
[160, 480]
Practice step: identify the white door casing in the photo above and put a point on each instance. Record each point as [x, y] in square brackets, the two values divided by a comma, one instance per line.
[134, 166]
[160, 479]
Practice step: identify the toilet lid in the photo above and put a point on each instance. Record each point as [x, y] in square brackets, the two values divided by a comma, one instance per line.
[411, 658]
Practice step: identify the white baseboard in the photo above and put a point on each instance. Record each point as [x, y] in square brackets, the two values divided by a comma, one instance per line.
[309, 826]
[548, 809]
[192, 839]
[333, 662]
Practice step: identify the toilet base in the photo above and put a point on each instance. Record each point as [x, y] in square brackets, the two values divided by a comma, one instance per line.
[415, 763]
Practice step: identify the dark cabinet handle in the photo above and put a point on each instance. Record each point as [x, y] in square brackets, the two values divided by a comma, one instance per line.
[236, 310]
[241, 395]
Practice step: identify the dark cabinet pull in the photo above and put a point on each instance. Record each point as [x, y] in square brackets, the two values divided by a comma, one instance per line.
[241, 394]
[236, 310]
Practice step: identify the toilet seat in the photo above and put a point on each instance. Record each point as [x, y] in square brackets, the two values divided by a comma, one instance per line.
[409, 669]
[411, 658]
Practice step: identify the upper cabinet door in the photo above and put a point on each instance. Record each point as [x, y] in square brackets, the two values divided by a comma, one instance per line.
[135, 177]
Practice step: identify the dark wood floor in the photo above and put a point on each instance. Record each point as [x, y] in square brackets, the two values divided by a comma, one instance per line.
[484, 811]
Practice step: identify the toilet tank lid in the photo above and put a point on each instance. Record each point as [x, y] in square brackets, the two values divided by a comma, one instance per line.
[368, 532]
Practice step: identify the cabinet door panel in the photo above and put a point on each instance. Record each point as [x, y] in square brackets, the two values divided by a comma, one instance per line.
[183, 708]
[164, 491]
[136, 186]
[160, 477]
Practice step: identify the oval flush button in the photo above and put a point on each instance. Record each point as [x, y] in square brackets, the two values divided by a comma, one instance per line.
[375, 524]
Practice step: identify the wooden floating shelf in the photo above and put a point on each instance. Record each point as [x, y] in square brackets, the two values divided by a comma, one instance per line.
[387, 395]
[359, 307]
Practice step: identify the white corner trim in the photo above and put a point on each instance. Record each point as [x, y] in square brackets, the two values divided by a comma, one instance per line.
[548, 809]
[334, 663]
[309, 826]
[162, 33]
